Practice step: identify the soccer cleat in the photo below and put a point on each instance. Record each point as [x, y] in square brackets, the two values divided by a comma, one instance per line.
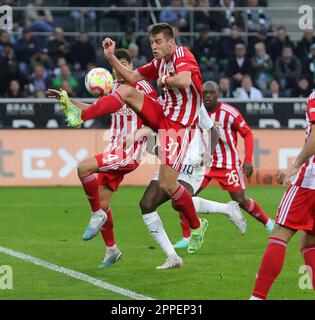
[254, 298]
[96, 222]
[197, 236]
[171, 263]
[111, 257]
[72, 113]
[270, 225]
[236, 217]
[181, 244]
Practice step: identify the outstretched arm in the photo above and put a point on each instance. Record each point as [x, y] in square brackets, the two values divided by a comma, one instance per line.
[130, 76]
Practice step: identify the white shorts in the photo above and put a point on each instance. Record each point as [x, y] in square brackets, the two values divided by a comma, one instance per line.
[191, 175]
[191, 171]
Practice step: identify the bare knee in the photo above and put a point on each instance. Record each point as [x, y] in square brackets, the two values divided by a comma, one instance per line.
[82, 168]
[87, 166]
[168, 187]
[282, 233]
[104, 204]
[125, 92]
[147, 205]
[240, 199]
[307, 239]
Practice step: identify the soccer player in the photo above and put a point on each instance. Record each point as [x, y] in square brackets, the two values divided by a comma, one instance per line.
[118, 159]
[226, 165]
[177, 72]
[191, 176]
[192, 172]
[296, 212]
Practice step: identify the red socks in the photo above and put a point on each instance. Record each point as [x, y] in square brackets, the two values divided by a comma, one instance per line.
[256, 211]
[308, 253]
[184, 203]
[90, 186]
[270, 267]
[108, 229]
[103, 106]
[184, 223]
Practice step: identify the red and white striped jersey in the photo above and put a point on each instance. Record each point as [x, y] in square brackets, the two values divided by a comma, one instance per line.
[306, 176]
[126, 121]
[230, 122]
[180, 105]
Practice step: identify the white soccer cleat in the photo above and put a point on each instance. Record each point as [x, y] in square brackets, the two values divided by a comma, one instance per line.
[111, 257]
[237, 218]
[171, 263]
[254, 298]
[96, 222]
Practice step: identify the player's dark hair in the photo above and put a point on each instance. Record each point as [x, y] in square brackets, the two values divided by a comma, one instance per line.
[123, 54]
[164, 28]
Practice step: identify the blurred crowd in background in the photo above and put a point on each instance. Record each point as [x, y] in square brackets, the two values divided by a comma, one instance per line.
[268, 64]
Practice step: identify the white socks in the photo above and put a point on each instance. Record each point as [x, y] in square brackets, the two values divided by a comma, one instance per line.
[208, 206]
[155, 226]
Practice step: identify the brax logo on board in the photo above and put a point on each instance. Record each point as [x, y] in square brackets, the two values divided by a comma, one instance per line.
[299, 108]
[23, 109]
[259, 108]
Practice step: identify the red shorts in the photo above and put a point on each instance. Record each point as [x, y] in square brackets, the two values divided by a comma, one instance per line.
[297, 209]
[229, 179]
[113, 166]
[174, 137]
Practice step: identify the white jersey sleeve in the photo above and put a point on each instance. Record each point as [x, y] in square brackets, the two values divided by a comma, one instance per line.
[205, 122]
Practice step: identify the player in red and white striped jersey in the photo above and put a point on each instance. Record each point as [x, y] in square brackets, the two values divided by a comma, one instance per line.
[226, 165]
[175, 121]
[181, 105]
[296, 212]
[125, 121]
[180, 77]
[118, 159]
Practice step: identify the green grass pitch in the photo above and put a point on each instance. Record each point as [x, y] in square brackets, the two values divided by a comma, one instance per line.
[48, 223]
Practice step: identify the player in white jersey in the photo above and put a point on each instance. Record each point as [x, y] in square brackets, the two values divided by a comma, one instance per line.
[296, 212]
[192, 175]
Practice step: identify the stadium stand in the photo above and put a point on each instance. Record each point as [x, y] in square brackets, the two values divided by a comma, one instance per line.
[229, 38]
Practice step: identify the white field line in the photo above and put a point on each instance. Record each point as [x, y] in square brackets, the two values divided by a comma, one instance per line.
[75, 274]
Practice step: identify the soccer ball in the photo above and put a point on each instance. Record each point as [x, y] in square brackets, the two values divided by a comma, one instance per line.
[98, 81]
